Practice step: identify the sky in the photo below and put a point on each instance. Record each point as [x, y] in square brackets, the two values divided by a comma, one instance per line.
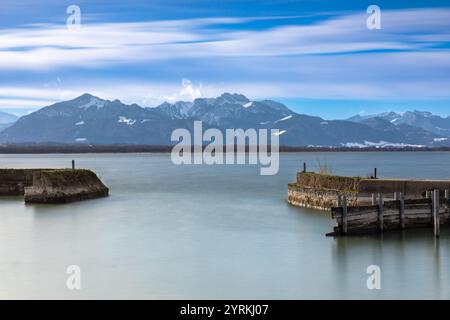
[318, 57]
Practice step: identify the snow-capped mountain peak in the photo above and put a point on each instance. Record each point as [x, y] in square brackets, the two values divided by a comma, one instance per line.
[419, 119]
[93, 102]
[89, 119]
[232, 98]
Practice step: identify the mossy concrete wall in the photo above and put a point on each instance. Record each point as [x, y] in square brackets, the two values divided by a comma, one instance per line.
[321, 191]
[315, 180]
[51, 185]
[13, 181]
[411, 188]
[61, 186]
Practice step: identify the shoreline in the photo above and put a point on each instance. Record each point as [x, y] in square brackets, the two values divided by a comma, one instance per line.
[99, 149]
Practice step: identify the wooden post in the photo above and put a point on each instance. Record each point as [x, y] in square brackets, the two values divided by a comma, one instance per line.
[339, 200]
[436, 208]
[374, 199]
[380, 212]
[428, 194]
[73, 164]
[344, 214]
[395, 196]
[447, 199]
[304, 166]
[402, 210]
[375, 173]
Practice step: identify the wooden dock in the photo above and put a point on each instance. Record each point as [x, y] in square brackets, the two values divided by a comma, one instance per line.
[372, 204]
[398, 214]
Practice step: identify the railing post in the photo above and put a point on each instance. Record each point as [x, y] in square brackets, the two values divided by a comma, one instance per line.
[402, 210]
[436, 209]
[395, 196]
[374, 199]
[339, 201]
[380, 212]
[344, 214]
[447, 194]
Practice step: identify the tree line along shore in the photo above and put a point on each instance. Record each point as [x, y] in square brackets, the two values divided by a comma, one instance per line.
[118, 148]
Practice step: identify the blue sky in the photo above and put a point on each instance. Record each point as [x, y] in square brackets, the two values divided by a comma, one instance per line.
[318, 57]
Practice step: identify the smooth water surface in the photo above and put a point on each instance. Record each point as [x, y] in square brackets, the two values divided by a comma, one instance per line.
[212, 232]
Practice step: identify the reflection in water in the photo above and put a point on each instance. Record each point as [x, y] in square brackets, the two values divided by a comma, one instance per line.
[405, 264]
[216, 232]
[437, 264]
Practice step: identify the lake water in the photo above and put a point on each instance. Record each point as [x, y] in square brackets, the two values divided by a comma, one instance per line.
[212, 232]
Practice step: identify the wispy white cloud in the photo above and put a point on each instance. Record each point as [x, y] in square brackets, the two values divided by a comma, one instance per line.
[151, 94]
[22, 103]
[145, 94]
[406, 58]
[50, 46]
[188, 92]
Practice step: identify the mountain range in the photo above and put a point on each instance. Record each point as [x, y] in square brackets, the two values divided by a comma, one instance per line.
[420, 119]
[92, 120]
[6, 120]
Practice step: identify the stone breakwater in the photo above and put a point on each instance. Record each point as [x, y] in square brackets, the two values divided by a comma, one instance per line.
[51, 185]
[321, 191]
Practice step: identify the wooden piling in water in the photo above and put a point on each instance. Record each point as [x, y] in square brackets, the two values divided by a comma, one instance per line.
[447, 200]
[380, 212]
[436, 209]
[73, 164]
[402, 210]
[344, 214]
[389, 215]
[374, 199]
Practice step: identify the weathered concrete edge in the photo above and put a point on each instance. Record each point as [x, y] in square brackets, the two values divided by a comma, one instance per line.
[321, 191]
[318, 198]
[52, 185]
[63, 186]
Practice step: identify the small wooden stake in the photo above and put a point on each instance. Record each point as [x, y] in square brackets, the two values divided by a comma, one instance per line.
[436, 208]
[73, 164]
[375, 173]
[304, 166]
[380, 212]
[344, 214]
[402, 210]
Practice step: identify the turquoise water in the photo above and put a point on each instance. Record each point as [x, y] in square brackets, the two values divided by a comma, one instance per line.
[212, 232]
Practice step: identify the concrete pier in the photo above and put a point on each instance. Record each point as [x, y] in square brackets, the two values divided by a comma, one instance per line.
[52, 185]
[321, 191]
[361, 206]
